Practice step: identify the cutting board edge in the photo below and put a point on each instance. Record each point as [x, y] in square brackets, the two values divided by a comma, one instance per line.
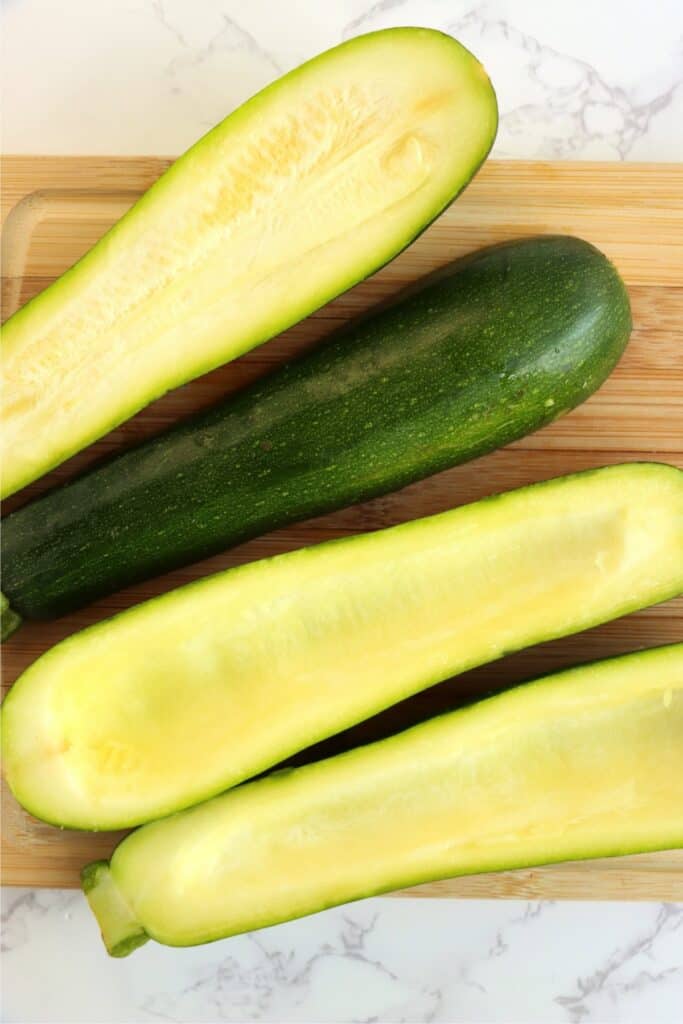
[618, 878]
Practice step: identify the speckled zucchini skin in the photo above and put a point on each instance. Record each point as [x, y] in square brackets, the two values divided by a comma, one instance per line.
[481, 353]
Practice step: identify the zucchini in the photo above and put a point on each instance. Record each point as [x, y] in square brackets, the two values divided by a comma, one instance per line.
[233, 673]
[480, 354]
[306, 189]
[584, 763]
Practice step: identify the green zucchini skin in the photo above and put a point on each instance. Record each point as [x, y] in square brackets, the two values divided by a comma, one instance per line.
[481, 353]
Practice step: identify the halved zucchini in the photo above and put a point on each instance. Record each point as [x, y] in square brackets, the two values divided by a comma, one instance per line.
[309, 187]
[194, 691]
[585, 763]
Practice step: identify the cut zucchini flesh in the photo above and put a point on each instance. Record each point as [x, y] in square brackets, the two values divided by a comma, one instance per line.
[585, 763]
[180, 697]
[306, 189]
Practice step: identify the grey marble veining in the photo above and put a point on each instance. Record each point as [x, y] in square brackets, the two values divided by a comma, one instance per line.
[380, 960]
[594, 79]
[591, 79]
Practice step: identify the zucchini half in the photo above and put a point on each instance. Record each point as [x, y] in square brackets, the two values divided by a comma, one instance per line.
[584, 763]
[182, 696]
[313, 184]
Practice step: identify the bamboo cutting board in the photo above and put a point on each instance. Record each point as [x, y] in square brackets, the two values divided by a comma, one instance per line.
[54, 208]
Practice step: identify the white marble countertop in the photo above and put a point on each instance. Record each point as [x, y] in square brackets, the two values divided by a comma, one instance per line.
[591, 79]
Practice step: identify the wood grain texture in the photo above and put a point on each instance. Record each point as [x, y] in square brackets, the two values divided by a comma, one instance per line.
[55, 208]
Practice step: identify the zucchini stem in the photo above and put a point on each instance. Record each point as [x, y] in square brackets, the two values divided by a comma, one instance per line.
[9, 619]
[121, 930]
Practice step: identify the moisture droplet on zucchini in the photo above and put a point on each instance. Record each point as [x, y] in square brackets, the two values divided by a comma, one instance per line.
[233, 673]
[485, 351]
[306, 189]
[584, 763]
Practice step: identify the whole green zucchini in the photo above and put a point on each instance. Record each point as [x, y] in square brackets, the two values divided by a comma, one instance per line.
[584, 763]
[182, 696]
[480, 354]
[307, 188]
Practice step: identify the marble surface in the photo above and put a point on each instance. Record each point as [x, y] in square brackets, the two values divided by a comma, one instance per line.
[380, 960]
[592, 79]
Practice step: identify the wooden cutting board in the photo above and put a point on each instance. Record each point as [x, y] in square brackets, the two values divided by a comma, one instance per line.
[54, 208]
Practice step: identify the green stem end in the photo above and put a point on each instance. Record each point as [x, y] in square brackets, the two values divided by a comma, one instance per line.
[121, 931]
[9, 619]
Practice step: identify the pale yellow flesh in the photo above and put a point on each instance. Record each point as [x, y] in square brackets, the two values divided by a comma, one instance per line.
[185, 695]
[586, 763]
[309, 187]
